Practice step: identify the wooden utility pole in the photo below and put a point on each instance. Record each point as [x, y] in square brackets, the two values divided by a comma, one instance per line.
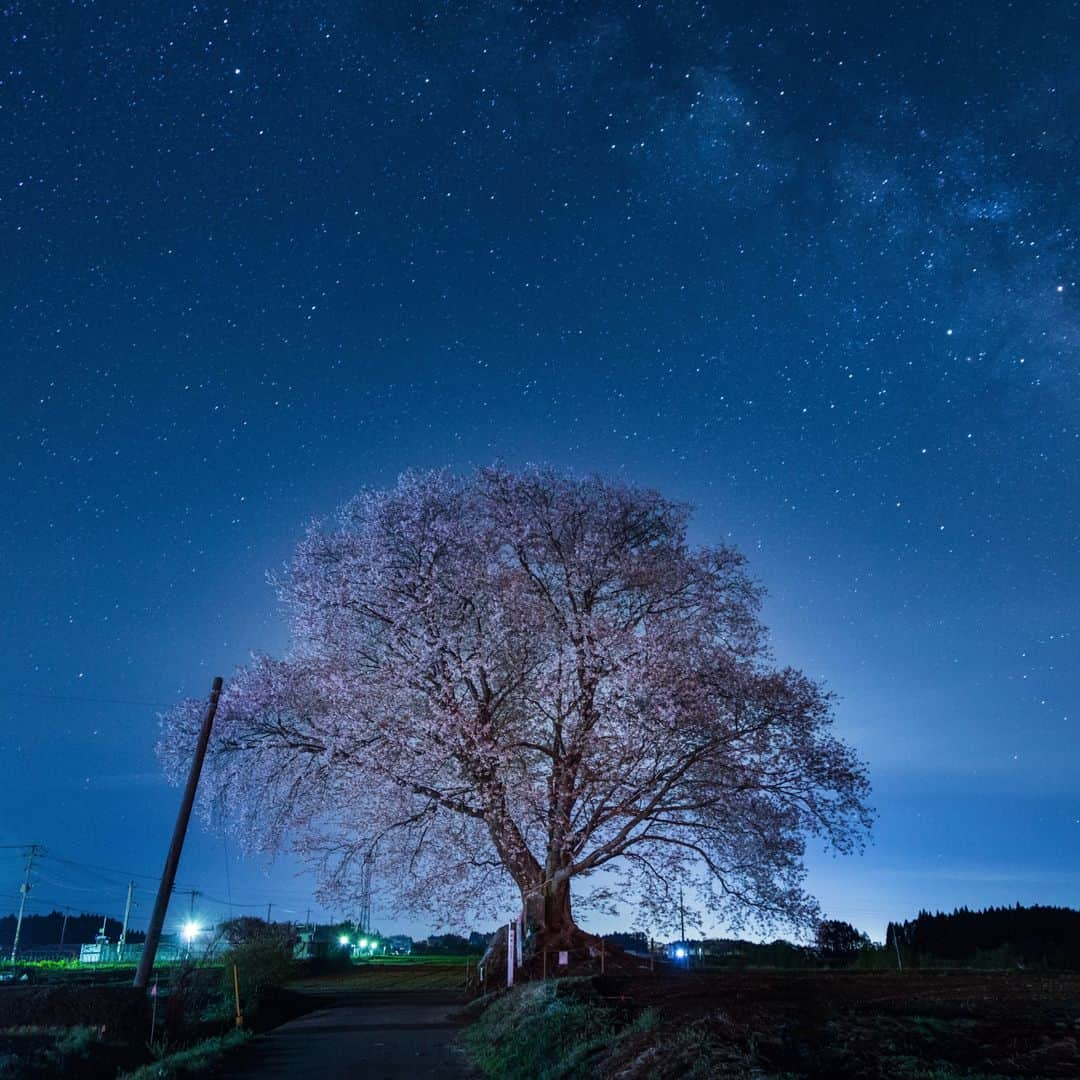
[24, 890]
[127, 915]
[172, 860]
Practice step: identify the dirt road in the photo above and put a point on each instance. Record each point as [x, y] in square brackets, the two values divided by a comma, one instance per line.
[384, 1038]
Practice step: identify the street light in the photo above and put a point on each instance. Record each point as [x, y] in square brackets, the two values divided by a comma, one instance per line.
[343, 940]
[189, 932]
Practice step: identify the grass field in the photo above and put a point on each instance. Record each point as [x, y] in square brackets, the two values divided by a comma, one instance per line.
[395, 974]
[50, 972]
[940, 1025]
[918, 1024]
[420, 961]
[382, 972]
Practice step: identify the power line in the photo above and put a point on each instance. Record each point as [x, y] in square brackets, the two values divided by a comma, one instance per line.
[64, 885]
[102, 894]
[87, 700]
[179, 887]
[103, 869]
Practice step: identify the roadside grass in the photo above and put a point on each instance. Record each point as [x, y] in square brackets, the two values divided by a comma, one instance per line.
[562, 1030]
[542, 1031]
[192, 1061]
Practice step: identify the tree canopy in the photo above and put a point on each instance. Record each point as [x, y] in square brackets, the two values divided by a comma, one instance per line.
[838, 940]
[505, 682]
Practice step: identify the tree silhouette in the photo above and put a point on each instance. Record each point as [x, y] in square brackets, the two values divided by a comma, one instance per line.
[514, 681]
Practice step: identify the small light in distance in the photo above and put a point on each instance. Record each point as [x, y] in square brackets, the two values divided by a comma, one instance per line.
[190, 931]
[343, 940]
[362, 943]
[680, 953]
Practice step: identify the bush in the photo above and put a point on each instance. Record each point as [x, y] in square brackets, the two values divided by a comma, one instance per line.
[260, 966]
[249, 930]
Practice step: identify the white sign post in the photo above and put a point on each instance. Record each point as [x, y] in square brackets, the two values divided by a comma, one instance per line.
[510, 954]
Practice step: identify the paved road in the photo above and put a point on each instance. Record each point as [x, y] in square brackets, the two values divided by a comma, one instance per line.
[376, 1039]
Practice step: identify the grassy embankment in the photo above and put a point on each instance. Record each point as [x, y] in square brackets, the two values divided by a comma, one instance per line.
[957, 1025]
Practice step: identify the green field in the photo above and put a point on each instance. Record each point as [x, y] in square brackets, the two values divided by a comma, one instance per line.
[444, 961]
[377, 974]
[396, 973]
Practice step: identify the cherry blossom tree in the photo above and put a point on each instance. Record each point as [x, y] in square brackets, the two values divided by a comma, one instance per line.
[501, 684]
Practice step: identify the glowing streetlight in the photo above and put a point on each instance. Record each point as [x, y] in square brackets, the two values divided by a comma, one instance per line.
[343, 940]
[190, 931]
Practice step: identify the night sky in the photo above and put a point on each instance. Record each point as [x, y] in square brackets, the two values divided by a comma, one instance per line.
[811, 267]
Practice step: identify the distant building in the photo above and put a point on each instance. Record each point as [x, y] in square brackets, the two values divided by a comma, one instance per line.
[171, 948]
[398, 945]
[314, 942]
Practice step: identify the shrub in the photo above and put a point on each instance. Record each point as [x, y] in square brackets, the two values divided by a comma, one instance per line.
[260, 966]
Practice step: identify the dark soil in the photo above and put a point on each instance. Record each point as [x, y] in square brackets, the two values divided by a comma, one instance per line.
[119, 1009]
[872, 1025]
[36, 1022]
[37, 1054]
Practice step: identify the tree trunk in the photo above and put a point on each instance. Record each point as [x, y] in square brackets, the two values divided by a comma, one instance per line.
[547, 913]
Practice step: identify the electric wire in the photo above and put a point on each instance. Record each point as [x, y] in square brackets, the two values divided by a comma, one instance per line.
[86, 700]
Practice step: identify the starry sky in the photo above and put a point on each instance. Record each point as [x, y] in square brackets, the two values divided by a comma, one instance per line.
[811, 267]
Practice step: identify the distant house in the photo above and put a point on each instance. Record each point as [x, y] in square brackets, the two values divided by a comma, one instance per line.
[313, 943]
[398, 945]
